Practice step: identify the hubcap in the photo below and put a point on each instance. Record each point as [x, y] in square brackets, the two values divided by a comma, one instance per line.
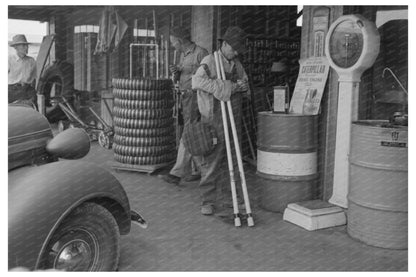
[76, 250]
[76, 254]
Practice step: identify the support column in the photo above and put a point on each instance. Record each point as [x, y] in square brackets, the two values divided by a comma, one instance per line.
[57, 26]
[204, 26]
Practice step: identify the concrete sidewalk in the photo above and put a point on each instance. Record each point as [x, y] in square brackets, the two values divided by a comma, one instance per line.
[179, 238]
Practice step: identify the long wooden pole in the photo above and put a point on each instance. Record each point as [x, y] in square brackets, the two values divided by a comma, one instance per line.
[250, 221]
[237, 221]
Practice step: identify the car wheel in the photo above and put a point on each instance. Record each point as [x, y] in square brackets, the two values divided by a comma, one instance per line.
[87, 240]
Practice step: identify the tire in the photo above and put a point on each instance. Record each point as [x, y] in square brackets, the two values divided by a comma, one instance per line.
[141, 94]
[142, 123]
[151, 160]
[61, 74]
[143, 141]
[143, 104]
[93, 229]
[142, 84]
[142, 114]
[155, 132]
[143, 151]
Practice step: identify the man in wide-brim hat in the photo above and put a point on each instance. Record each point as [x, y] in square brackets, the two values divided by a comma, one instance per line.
[210, 91]
[22, 72]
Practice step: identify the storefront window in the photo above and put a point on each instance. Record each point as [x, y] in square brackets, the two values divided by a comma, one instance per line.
[389, 75]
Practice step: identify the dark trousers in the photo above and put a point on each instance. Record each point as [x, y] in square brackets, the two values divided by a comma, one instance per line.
[185, 165]
[215, 177]
[19, 92]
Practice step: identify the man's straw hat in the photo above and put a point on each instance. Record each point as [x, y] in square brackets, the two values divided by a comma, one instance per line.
[19, 39]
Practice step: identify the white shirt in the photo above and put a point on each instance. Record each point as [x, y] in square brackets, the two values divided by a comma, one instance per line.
[21, 70]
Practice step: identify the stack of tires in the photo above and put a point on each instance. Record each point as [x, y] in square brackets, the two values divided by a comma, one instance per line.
[143, 122]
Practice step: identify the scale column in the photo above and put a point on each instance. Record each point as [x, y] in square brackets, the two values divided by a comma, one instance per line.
[347, 112]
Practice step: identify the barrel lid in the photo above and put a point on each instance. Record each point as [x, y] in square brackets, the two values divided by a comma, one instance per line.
[268, 113]
[378, 124]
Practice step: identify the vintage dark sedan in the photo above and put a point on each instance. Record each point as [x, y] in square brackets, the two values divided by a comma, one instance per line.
[64, 214]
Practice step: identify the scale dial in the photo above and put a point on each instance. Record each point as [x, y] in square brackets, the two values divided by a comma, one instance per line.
[346, 43]
[351, 46]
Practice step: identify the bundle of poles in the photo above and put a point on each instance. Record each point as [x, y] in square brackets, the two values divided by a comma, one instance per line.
[237, 221]
[154, 51]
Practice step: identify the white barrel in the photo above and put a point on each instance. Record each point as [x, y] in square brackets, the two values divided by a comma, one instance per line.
[377, 196]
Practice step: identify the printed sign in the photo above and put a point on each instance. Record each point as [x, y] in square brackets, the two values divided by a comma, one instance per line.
[398, 139]
[310, 86]
[393, 144]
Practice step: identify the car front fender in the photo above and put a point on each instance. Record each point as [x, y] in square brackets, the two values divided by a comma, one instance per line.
[41, 197]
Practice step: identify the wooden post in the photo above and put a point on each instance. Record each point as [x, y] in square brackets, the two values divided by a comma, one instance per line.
[145, 49]
[165, 60]
[161, 57]
[156, 51]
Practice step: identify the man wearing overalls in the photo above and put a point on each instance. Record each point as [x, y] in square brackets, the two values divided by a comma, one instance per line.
[210, 91]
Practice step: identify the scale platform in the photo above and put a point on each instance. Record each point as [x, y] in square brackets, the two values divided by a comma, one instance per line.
[314, 214]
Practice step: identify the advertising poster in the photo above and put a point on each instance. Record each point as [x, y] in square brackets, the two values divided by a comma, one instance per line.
[313, 73]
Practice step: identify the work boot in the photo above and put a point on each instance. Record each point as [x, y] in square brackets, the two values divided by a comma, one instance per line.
[169, 178]
[207, 209]
[192, 178]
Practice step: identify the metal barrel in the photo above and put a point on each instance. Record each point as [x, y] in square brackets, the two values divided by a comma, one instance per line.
[286, 158]
[377, 196]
